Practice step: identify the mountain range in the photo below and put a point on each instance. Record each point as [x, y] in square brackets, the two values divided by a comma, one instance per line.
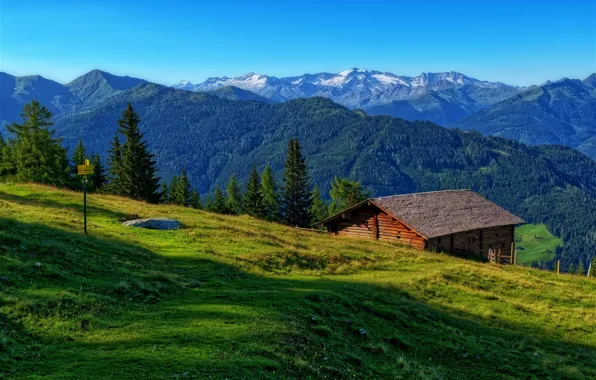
[439, 97]
[561, 112]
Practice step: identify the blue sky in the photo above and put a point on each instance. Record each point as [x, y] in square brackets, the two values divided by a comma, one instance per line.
[518, 42]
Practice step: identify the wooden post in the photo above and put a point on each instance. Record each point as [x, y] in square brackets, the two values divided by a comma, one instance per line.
[375, 229]
[513, 254]
[558, 266]
[589, 269]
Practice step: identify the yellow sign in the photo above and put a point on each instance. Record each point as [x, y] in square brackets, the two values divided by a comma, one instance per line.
[86, 169]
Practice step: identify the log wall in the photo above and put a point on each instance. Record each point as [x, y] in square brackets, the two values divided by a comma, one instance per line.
[368, 222]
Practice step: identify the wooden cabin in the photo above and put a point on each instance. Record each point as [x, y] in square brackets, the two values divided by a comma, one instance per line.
[455, 221]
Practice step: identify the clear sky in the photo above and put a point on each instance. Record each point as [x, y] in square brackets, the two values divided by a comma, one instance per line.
[519, 42]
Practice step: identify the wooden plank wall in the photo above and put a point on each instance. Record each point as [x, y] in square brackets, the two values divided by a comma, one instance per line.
[476, 241]
[361, 224]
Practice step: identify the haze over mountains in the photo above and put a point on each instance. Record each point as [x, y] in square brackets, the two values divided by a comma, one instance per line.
[439, 97]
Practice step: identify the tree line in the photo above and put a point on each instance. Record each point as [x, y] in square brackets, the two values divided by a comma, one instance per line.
[33, 154]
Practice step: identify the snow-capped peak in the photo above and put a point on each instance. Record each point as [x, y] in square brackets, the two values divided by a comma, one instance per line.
[353, 88]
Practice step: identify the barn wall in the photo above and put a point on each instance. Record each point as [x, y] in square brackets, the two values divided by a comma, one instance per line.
[475, 241]
[360, 223]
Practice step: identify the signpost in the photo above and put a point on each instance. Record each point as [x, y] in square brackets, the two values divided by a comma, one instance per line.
[85, 170]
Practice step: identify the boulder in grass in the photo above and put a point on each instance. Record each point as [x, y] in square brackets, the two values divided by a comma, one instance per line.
[154, 223]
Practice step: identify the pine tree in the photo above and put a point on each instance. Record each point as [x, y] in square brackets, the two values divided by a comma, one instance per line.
[138, 171]
[269, 189]
[318, 210]
[345, 193]
[98, 178]
[219, 204]
[195, 200]
[38, 156]
[115, 185]
[234, 196]
[296, 198]
[165, 193]
[79, 155]
[571, 269]
[253, 202]
[580, 268]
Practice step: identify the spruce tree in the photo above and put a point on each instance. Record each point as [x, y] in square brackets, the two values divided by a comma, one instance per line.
[174, 189]
[195, 200]
[580, 268]
[253, 202]
[180, 189]
[98, 178]
[269, 189]
[138, 171]
[115, 185]
[38, 156]
[234, 196]
[79, 155]
[165, 193]
[296, 196]
[318, 210]
[219, 204]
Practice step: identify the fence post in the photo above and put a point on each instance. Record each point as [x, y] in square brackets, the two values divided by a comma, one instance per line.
[513, 254]
[558, 266]
[589, 269]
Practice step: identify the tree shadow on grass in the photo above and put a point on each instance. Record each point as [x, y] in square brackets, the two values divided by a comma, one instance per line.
[48, 203]
[96, 307]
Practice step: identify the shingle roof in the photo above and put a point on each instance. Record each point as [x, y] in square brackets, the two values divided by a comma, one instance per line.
[439, 213]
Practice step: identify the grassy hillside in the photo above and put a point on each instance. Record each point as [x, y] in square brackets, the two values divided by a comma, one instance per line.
[535, 243]
[238, 298]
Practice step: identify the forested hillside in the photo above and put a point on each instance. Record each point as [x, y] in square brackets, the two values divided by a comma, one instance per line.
[562, 112]
[214, 138]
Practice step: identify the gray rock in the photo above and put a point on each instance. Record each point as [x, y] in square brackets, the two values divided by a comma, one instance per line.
[154, 223]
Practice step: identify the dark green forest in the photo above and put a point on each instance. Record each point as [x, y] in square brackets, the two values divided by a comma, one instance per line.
[214, 138]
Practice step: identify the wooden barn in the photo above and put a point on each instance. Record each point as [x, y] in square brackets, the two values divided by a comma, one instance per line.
[455, 221]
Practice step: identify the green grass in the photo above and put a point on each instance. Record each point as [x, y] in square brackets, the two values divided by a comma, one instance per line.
[233, 297]
[535, 243]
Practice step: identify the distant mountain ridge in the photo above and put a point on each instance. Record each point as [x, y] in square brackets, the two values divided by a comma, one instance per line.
[561, 112]
[439, 97]
[85, 91]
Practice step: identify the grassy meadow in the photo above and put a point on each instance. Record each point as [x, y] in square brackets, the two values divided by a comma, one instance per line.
[234, 297]
[535, 243]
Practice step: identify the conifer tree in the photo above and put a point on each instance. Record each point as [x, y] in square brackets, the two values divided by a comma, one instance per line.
[38, 156]
[6, 160]
[319, 210]
[79, 155]
[345, 193]
[195, 200]
[571, 269]
[269, 189]
[580, 268]
[253, 202]
[165, 193]
[98, 178]
[296, 195]
[180, 189]
[115, 167]
[234, 196]
[138, 170]
[173, 189]
[219, 204]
